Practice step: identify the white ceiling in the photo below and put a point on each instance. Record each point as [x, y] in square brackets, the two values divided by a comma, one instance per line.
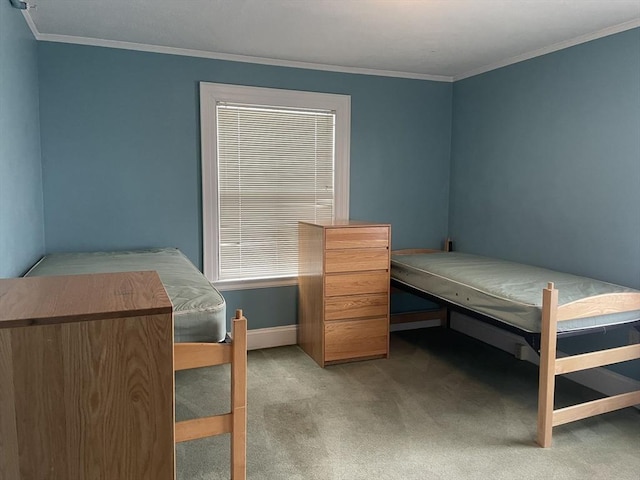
[433, 39]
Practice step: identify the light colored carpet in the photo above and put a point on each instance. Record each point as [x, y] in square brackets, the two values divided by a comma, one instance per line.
[442, 407]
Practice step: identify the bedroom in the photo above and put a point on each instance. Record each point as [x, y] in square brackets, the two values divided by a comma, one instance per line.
[509, 163]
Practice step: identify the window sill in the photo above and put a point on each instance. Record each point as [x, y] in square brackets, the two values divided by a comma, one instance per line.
[257, 283]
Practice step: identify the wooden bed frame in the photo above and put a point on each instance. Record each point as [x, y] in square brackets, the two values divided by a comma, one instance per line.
[551, 366]
[195, 355]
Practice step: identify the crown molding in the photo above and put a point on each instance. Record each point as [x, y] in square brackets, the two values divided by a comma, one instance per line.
[95, 42]
[605, 32]
[30, 23]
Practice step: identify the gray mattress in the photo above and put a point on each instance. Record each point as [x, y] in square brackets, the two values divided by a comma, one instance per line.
[199, 310]
[505, 291]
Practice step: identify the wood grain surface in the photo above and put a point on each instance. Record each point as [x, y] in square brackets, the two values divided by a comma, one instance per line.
[356, 283]
[356, 259]
[92, 399]
[356, 306]
[75, 298]
[310, 285]
[360, 237]
[9, 464]
[344, 290]
[352, 339]
[599, 305]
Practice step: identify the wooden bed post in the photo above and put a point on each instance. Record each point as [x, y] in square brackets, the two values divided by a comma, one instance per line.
[239, 398]
[196, 355]
[548, 342]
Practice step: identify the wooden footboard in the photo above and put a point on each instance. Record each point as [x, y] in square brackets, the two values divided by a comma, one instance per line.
[196, 355]
[550, 366]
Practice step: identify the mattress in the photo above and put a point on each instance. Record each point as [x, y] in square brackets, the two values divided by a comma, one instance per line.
[199, 309]
[505, 291]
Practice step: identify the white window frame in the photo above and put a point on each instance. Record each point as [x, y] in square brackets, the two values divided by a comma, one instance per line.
[210, 95]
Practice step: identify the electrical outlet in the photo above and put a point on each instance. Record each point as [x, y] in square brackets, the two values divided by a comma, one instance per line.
[634, 336]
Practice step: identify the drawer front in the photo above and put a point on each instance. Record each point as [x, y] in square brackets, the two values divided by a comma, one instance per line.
[356, 306]
[357, 237]
[356, 338]
[356, 283]
[356, 259]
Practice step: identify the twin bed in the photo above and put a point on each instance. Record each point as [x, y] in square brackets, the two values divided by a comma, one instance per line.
[538, 304]
[200, 339]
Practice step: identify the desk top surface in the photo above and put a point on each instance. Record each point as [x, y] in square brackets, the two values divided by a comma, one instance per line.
[74, 298]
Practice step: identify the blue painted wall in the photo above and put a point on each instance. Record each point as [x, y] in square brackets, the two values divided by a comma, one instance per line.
[121, 153]
[544, 161]
[545, 165]
[21, 214]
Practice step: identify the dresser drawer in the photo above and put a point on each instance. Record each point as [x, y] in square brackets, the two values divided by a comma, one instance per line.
[356, 338]
[356, 283]
[357, 237]
[356, 306]
[356, 259]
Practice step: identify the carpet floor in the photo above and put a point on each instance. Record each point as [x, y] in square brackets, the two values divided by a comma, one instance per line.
[443, 406]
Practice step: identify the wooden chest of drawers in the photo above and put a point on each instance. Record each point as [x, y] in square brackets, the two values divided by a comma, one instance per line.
[344, 291]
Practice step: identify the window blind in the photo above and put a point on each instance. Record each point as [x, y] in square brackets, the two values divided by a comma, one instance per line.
[275, 167]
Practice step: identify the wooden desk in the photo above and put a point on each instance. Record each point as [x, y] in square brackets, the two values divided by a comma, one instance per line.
[86, 378]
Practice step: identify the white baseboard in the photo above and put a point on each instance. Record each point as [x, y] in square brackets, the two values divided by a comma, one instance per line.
[599, 379]
[272, 337]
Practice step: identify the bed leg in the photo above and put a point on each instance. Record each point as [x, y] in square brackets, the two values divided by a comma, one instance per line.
[446, 318]
[239, 398]
[546, 386]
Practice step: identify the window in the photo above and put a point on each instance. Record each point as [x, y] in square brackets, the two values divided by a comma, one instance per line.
[269, 159]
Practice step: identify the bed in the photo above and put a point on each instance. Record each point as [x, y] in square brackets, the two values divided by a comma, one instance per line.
[538, 304]
[200, 339]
